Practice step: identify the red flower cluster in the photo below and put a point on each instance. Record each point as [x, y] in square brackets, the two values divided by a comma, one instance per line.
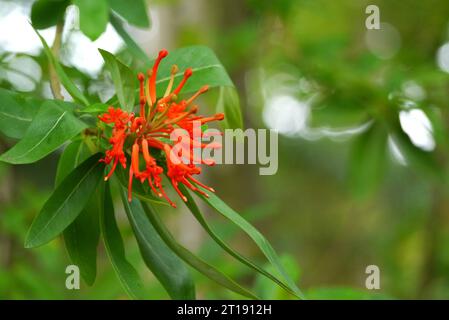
[157, 119]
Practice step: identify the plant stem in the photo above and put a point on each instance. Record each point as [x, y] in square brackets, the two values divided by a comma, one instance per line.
[55, 84]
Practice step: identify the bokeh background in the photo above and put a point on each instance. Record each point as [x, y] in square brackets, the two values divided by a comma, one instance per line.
[363, 120]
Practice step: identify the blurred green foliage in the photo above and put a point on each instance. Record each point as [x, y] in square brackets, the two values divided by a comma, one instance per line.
[342, 198]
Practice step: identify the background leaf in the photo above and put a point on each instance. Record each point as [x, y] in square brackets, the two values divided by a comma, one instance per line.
[47, 13]
[136, 14]
[94, 16]
[368, 160]
[166, 266]
[128, 276]
[123, 78]
[66, 202]
[82, 235]
[51, 127]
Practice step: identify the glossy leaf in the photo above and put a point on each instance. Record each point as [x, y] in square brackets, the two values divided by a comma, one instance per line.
[128, 276]
[94, 16]
[73, 90]
[135, 14]
[254, 234]
[47, 13]
[51, 127]
[165, 265]
[82, 235]
[96, 108]
[16, 113]
[200, 218]
[66, 202]
[368, 160]
[191, 259]
[123, 79]
[229, 104]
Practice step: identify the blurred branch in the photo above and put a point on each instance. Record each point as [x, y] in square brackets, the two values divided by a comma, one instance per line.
[54, 80]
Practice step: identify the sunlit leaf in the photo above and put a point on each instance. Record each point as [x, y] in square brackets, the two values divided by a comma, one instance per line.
[66, 202]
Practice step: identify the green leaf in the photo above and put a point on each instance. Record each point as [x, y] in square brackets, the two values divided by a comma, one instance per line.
[16, 113]
[52, 126]
[165, 265]
[82, 235]
[229, 104]
[66, 202]
[94, 16]
[200, 218]
[368, 160]
[128, 276]
[47, 13]
[200, 265]
[135, 14]
[72, 89]
[123, 79]
[95, 108]
[254, 234]
[207, 69]
[132, 46]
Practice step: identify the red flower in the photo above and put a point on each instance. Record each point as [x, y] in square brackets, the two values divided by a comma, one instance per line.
[158, 118]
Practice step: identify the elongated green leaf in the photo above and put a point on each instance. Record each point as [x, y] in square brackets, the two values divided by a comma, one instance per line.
[73, 90]
[229, 104]
[95, 108]
[94, 16]
[135, 14]
[207, 69]
[200, 265]
[16, 113]
[51, 127]
[200, 218]
[123, 79]
[47, 13]
[66, 202]
[254, 234]
[82, 235]
[128, 276]
[166, 266]
[133, 47]
[368, 160]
